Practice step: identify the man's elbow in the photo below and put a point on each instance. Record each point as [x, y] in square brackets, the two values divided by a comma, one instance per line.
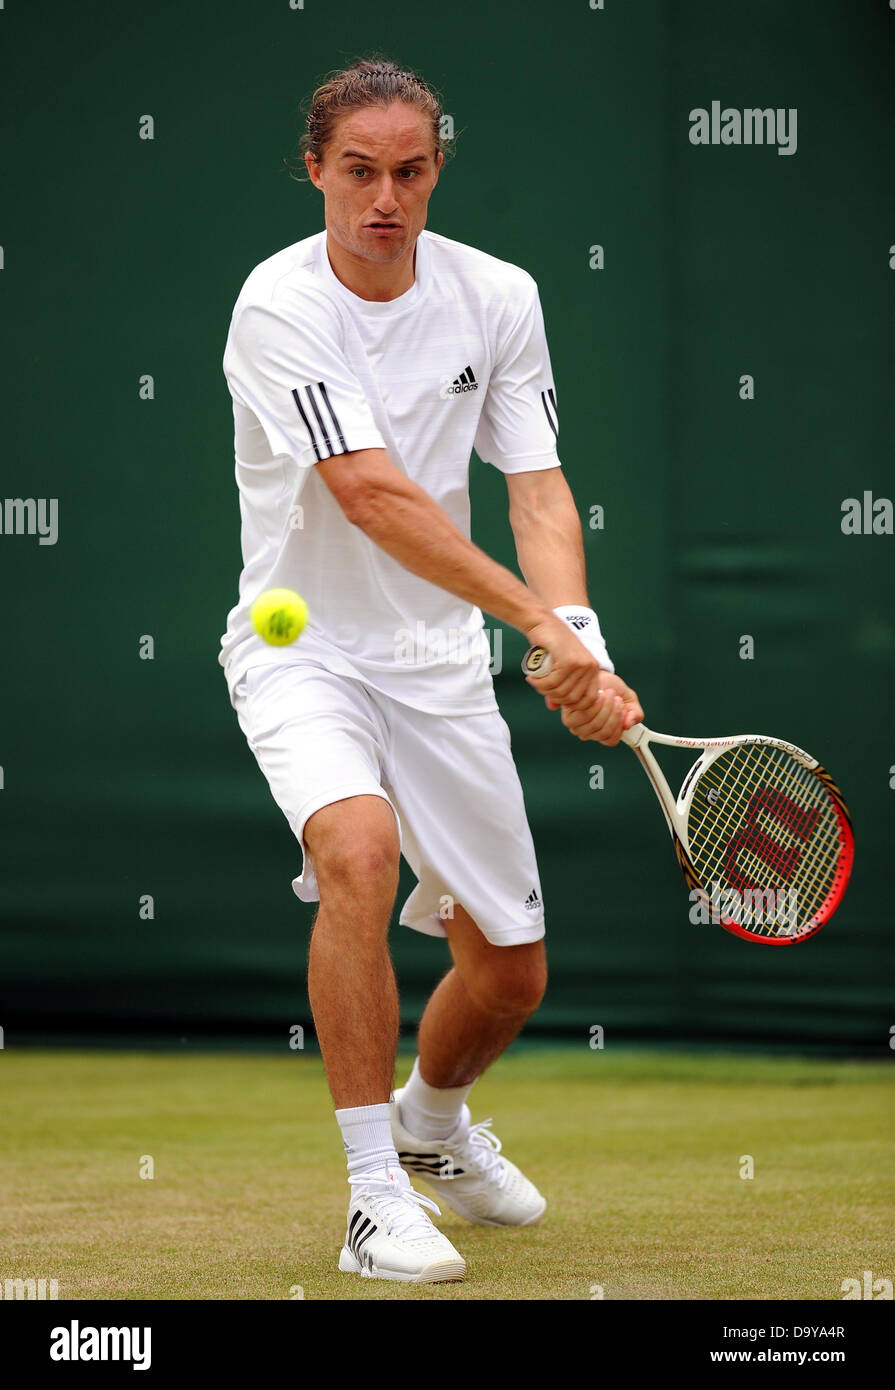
[361, 482]
[365, 504]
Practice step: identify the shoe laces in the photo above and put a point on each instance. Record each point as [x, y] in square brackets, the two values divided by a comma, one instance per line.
[398, 1206]
[486, 1147]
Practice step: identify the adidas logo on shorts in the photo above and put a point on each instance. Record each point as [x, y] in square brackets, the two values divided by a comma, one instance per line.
[532, 902]
[464, 382]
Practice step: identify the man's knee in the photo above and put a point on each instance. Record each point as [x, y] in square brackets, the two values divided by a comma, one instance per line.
[510, 984]
[367, 862]
[355, 846]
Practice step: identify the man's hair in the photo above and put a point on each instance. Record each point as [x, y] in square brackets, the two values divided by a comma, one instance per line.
[371, 81]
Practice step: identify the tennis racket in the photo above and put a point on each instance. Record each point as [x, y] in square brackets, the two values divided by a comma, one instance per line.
[761, 831]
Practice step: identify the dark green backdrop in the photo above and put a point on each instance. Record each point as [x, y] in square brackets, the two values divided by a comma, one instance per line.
[123, 257]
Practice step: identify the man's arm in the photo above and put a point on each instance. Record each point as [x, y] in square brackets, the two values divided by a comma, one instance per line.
[400, 516]
[550, 550]
[547, 532]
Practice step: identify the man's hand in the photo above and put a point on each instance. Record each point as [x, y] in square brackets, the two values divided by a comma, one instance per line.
[596, 705]
[618, 709]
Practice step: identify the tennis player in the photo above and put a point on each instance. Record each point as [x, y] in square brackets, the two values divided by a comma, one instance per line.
[365, 363]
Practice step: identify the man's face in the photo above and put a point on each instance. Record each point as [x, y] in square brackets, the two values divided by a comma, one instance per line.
[377, 173]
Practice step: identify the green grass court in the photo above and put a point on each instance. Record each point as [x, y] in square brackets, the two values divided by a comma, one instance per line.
[637, 1152]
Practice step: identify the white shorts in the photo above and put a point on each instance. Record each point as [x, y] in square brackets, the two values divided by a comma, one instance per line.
[450, 780]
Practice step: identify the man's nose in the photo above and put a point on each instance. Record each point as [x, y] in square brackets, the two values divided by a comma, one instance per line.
[385, 196]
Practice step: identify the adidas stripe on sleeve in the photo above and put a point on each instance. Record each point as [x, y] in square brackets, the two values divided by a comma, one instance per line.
[289, 369]
[519, 425]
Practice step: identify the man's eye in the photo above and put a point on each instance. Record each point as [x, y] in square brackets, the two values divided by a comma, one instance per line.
[358, 171]
[410, 172]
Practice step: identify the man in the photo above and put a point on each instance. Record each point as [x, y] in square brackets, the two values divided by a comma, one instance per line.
[365, 362]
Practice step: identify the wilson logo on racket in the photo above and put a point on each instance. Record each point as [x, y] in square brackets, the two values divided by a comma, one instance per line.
[756, 844]
[756, 817]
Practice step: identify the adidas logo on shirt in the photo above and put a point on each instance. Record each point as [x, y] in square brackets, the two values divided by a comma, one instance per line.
[464, 382]
[532, 902]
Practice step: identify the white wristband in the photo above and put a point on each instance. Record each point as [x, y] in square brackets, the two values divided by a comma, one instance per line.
[586, 626]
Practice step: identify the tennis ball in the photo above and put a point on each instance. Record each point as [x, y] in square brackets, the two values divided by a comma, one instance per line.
[279, 616]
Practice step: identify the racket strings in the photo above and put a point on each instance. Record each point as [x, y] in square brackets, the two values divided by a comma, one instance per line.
[761, 822]
[759, 843]
[763, 837]
[734, 784]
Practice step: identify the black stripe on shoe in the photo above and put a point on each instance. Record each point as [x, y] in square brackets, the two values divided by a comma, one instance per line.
[352, 1244]
[362, 1240]
[354, 1220]
[433, 1169]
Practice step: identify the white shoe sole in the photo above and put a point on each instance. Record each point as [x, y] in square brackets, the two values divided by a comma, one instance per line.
[441, 1272]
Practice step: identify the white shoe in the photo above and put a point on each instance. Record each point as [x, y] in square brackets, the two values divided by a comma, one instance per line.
[389, 1236]
[469, 1173]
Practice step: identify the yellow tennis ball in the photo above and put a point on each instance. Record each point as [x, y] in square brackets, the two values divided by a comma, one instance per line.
[279, 616]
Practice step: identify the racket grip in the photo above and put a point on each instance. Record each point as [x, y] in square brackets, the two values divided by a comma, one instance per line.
[536, 661]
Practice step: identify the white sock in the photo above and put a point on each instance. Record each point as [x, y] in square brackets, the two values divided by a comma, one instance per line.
[367, 1136]
[431, 1112]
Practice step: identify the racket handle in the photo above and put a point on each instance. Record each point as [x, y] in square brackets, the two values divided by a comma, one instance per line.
[537, 662]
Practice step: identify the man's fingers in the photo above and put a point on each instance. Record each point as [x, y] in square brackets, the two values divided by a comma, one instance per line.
[583, 702]
[592, 714]
[603, 724]
[633, 715]
[580, 698]
[568, 690]
[596, 705]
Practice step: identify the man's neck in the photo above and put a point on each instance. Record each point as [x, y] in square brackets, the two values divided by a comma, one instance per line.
[369, 279]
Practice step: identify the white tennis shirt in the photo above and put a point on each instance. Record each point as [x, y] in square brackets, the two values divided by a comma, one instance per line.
[459, 361]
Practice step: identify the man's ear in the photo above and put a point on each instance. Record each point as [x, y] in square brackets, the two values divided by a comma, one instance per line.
[313, 169]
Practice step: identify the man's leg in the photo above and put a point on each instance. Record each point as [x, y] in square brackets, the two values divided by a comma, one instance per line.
[474, 1014]
[314, 733]
[480, 1006]
[351, 983]
[355, 847]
